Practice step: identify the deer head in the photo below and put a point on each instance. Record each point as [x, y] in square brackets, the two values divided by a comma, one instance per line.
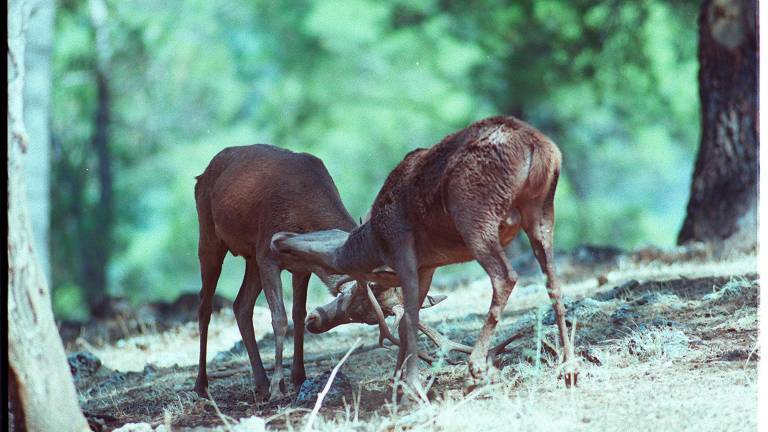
[349, 306]
[353, 305]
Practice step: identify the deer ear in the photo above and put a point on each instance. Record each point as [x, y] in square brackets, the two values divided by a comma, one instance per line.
[384, 277]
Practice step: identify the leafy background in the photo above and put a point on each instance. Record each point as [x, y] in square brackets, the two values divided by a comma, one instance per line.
[359, 83]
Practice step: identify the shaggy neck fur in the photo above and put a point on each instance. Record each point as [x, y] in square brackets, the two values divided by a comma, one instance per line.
[359, 253]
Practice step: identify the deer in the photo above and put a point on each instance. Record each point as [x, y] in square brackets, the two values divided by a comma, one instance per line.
[464, 198]
[244, 196]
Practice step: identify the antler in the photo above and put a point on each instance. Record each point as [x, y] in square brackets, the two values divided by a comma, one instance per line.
[447, 345]
[442, 342]
[384, 329]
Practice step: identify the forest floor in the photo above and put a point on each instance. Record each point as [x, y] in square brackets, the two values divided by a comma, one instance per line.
[665, 341]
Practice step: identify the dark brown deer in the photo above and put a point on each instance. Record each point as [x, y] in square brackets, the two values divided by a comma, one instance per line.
[463, 199]
[245, 195]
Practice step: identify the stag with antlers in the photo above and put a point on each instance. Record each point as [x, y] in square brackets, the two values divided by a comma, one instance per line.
[465, 198]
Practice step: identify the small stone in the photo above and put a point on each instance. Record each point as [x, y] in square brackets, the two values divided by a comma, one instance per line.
[311, 388]
[83, 364]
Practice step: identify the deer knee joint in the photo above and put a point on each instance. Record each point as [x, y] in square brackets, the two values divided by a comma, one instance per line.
[280, 325]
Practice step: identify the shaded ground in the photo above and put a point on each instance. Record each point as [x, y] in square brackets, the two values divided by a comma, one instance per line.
[683, 335]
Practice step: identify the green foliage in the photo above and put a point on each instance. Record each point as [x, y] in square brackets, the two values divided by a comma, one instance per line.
[68, 302]
[359, 84]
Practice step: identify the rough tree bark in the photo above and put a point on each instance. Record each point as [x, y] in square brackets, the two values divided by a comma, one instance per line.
[39, 381]
[723, 201]
[37, 97]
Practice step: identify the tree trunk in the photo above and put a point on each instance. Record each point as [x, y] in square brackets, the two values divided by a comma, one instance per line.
[95, 257]
[37, 104]
[96, 253]
[723, 201]
[40, 383]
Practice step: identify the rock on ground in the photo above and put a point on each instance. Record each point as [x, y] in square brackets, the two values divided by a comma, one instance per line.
[340, 389]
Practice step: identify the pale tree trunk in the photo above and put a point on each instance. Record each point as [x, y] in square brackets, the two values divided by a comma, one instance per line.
[37, 97]
[723, 202]
[43, 396]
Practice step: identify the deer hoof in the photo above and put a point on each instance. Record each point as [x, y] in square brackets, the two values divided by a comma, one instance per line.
[202, 391]
[261, 392]
[278, 389]
[201, 387]
[298, 379]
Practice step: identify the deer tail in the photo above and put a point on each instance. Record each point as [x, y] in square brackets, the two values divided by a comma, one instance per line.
[544, 169]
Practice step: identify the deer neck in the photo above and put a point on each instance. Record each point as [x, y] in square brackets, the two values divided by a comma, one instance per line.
[360, 253]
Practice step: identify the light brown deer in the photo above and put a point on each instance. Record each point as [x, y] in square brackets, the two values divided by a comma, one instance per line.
[245, 195]
[465, 198]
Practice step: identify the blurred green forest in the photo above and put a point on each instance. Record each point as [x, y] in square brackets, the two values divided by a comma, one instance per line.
[358, 83]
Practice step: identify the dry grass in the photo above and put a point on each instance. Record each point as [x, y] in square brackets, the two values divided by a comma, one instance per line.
[652, 391]
[179, 345]
[475, 296]
[650, 378]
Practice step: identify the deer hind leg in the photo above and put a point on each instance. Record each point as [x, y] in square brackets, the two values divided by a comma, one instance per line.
[299, 313]
[538, 223]
[211, 253]
[273, 289]
[483, 240]
[243, 308]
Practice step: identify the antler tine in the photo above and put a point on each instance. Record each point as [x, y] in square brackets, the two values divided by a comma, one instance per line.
[383, 327]
[448, 345]
[443, 342]
[435, 336]
[501, 347]
[384, 332]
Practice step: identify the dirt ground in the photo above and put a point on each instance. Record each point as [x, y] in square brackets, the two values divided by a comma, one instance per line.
[665, 342]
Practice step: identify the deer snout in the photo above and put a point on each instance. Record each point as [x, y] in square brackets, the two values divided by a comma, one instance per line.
[313, 323]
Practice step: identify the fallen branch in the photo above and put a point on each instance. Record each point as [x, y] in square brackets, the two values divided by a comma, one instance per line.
[218, 411]
[321, 396]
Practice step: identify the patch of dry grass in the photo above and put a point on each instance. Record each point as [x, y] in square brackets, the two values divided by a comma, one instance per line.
[629, 392]
[179, 345]
[475, 296]
[650, 378]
